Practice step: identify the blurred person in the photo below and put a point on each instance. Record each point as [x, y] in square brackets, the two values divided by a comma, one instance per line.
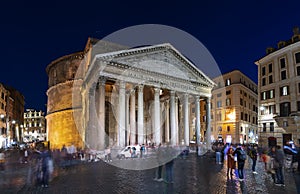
[2, 159]
[231, 164]
[278, 164]
[218, 154]
[160, 155]
[241, 158]
[253, 155]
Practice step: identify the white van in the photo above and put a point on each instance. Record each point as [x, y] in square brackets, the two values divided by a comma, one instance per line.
[128, 152]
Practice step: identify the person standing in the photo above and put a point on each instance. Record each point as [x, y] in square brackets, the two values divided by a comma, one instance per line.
[158, 173]
[45, 157]
[231, 164]
[218, 154]
[241, 157]
[279, 161]
[253, 156]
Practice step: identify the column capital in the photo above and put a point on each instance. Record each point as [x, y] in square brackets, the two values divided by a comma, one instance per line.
[121, 84]
[140, 88]
[156, 90]
[172, 93]
[102, 80]
[197, 97]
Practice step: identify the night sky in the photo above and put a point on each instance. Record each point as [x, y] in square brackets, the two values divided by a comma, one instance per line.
[35, 33]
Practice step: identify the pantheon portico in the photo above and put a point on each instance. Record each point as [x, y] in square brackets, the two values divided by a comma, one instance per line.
[143, 95]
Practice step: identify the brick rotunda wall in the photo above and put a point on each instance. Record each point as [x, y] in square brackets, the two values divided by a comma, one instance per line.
[61, 126]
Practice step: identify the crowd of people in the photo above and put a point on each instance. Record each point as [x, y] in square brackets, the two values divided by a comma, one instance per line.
[275, 158]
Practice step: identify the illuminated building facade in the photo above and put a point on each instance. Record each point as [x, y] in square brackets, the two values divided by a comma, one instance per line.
[11, 109]
[110, 95]
[234, 108]
[34, 127]
[279, 92]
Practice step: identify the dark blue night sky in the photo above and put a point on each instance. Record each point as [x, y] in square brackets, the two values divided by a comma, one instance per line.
[235, 32]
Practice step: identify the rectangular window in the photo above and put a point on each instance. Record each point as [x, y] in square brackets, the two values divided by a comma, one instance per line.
[219, 95]
[285, 124]
[228, 92]
[219, 104]
[263, 96]
[298, 105]
[241, 102]
[285, 109]
[270, 79]
[298, 70]
[263, 83]
[242, 116]
[284, 91]
[272, 94]
[283, 75]
[2, 95]
[228, 82]
[264, 127]
[298, 87]
[228, 128]
[270, 68]
[272, 109]
[297, 57]
[228, 102]
[263, 71]
[246, 117]
[282, 63]
[241, 129]
[272, 127]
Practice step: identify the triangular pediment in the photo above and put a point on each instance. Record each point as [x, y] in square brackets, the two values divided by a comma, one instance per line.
[162, 59]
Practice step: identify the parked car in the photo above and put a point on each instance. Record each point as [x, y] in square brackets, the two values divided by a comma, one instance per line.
[132, 151]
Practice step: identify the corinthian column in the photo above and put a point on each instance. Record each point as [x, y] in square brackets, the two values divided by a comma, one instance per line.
[157, 134]
[208, 120]
[140, 114]
[90, 139]
[186, 120]
[172, 118]
[121, 121]
[167, 122]
[132, 118]
[197, 107]
[101, 108]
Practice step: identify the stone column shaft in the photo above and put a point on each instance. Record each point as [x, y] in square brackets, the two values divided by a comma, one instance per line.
[101, 108]
[167, 122]
[186, 120]
[208, 123]
[157, 134]
[198, 128]
[140, 114]
[172, 118]
[121, 121]
[132, 119]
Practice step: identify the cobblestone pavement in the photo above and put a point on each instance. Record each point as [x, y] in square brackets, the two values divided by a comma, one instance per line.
[191, 175]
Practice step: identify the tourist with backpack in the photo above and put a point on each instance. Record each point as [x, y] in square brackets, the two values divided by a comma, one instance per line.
[241, 158]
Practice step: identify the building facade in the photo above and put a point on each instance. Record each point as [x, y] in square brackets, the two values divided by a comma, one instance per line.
[12, 107]
[279, 92]
[234, 109]
[125, 96]
[34, 127]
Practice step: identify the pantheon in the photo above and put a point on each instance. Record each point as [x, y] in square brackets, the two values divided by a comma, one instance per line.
[110, 95]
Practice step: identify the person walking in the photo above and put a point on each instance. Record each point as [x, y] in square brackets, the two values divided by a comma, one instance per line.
[231, 164]
[241, 157]
[278, 164]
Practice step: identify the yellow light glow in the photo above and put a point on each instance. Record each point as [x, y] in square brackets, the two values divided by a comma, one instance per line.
[230, 115]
